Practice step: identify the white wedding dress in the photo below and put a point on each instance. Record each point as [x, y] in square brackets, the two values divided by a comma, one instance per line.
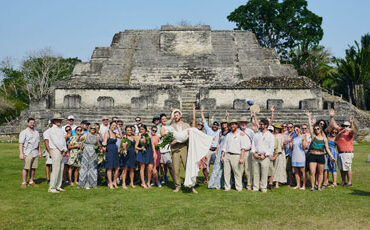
[199, 144]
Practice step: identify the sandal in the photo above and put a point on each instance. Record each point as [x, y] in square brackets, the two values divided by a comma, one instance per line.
[144, 186]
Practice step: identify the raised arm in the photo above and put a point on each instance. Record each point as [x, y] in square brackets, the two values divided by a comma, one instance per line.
[272, 108]
[205, 123]
[227, 115]
[310, 124]
[332, 122]
[193, 122]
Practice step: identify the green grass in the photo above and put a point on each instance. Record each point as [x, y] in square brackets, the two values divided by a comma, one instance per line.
[35, 208]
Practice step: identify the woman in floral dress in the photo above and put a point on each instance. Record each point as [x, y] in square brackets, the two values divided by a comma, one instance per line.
[75, 149]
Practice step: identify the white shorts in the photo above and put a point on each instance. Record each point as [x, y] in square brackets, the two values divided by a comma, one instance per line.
[166, 158]
[345, 161]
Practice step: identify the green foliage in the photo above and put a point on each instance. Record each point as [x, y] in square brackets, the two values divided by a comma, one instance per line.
[353, 72]
[281, 25]
[32, 80]
[315, 63]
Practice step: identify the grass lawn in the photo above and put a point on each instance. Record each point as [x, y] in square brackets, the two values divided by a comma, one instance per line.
[35, 208]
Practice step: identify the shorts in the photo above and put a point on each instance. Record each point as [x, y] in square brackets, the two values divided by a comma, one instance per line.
[345, 161]
[30, 162]
[48, 159]
[166, 158]
[205, 162]
[313, 158]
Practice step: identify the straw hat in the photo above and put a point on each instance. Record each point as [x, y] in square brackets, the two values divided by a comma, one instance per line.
[244, 119]
[223, 121]
[57, 116]
[176, 110]
[255, 108]
[277, 126]
[234, 121]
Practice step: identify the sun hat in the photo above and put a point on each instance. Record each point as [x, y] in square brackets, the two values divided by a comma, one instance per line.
[255, 108]
[223, 121]
[277, 126]
[243, 119]
[234, 121]
[57, 116]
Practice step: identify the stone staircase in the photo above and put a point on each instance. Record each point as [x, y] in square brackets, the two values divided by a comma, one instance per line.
[295, 116]
[189, 97]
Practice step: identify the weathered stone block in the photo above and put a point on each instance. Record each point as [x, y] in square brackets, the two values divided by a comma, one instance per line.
[341, 106]
[105, 102]
[208, 103]
[72, 101]
[309, 104]
[240, 104]
[328, 105]
[139, 103]
[278, 103]
[171, 103]
[41, 104]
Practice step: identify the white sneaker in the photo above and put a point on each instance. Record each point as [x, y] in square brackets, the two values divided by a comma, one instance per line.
[53, 191]
[87, 188]
[162, 182]
[159, 186]
[61, 190]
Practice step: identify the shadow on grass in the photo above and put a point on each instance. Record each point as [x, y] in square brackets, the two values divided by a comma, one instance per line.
[40, 180]
[360, 193]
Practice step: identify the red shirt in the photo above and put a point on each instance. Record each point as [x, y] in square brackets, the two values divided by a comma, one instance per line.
[345, 141]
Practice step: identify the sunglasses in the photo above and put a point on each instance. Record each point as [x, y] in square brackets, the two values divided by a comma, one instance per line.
[317, 128]
[290, 127]
[78, 130]
[304, 128]
[335, 132]
[105, 119]
[67, 130]
[138, 120]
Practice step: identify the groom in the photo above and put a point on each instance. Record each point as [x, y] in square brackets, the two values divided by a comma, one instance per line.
[179, 150]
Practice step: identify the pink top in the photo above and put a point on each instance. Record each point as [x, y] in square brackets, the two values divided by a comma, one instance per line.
[345, 141]
[155, 140]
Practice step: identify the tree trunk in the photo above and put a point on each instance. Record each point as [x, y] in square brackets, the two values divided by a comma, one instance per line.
[349, 94]
[363, 97]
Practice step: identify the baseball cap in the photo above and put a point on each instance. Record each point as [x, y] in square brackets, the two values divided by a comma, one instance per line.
[70, 117]
[216, 123]
[270, 128]
[85, 122]
[347, 123]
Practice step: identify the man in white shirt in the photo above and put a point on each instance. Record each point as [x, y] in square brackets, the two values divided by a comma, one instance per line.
[247, 165]
[262, 148]
[57, 148]
[70, 123]
[233, 155]
[104, 127]
[29, 151]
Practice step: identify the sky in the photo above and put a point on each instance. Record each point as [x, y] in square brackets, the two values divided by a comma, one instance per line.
[75, 28]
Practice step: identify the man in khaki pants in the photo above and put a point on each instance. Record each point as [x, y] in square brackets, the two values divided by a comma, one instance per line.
[179, 150]
[233, 155]
[262, 148]
[57, 148]
[247, 165]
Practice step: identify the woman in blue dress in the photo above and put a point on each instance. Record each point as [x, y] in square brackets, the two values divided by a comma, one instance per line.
[217, 176]
[128, 158]
[332, 166]
[145, 149]
[298, 158]
[111, 158]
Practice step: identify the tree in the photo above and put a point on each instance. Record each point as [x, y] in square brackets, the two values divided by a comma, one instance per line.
[315, 63]
[279, 25]
[353, 72]
[31, 81]
[44, 67]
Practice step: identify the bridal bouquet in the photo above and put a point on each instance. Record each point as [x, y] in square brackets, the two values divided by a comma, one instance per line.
[100, 155]
[165, 140]
[125, 144]
[144, 141]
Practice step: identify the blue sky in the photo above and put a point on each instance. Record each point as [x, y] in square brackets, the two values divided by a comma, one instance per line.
[75, 28]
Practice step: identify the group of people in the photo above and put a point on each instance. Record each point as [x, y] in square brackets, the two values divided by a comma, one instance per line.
[247, 152]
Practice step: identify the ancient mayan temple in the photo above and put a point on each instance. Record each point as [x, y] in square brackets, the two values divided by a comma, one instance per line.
[145, 72]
